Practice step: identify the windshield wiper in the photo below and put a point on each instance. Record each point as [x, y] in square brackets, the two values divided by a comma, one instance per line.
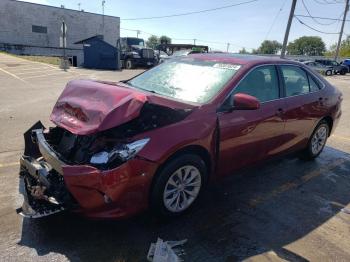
[151, 91]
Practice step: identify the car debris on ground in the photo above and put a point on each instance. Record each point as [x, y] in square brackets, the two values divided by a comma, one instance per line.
[166, 251]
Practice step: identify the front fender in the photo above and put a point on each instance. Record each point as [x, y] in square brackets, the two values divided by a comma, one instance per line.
[167, 140]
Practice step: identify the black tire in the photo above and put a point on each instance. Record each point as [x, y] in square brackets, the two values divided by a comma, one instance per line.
[157, 193]
[329, 73]
[307, 153]
[129, 64]
[343, 72]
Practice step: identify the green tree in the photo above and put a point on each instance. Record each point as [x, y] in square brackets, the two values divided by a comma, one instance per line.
[344, 48]
[152, 41]
[165, 39]
[243, 51]
[269, 47]
[307, 45]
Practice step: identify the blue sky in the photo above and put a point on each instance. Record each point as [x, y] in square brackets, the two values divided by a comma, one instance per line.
[243, 26]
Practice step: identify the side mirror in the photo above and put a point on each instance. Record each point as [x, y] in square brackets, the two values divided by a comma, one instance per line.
[242, 101]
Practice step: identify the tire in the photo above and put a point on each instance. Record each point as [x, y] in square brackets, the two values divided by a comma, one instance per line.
[168, 195]
[129, 64]
[343, 72]
[329, 73]
[315, 144]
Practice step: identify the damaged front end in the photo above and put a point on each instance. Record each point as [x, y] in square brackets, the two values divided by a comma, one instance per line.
[61, 170]
[41, 184]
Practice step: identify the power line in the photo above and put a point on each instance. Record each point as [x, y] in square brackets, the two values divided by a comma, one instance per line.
[326, 2]
[189, 39]
[307, 10]
[275, 19]
[191, 13]
[324, 18]
[314, 29]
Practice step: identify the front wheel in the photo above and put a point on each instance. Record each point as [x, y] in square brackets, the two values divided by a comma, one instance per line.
[129, 64]
[317, 141]
[343, 72]
[329, 72]
[178, 185]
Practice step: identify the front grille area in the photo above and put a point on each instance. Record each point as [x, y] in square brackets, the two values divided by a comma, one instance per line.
[147, 53]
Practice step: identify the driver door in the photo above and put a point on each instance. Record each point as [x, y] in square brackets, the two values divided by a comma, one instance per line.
[248, 136]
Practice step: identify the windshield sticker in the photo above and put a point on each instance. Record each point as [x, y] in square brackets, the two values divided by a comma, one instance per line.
[227, 66]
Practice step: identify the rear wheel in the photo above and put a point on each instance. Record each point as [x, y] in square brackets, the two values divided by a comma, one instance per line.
[343, 71]
[317, 141]
[178, 185]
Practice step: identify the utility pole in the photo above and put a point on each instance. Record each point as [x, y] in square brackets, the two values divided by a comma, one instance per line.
[138, 32]
[79, 4]
[228, 46]
[286, 35]
[103, 17]
[194, 41]
[341, 30]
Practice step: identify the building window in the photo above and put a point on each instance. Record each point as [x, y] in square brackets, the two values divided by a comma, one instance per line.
[39, 29]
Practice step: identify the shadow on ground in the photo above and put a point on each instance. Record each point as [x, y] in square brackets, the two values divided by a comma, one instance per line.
[255, 211]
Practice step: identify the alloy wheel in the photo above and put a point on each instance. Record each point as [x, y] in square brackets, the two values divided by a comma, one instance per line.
[182, 188]
[319, 139]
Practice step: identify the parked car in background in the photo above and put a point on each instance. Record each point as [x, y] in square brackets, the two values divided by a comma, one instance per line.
[156, 140]
[337, 68]
[161, 56]
[134, 53]
[346, 62]
[321, 69]
[185, 52]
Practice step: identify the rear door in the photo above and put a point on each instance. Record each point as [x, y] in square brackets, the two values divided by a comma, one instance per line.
[247, 136]
[304, 104]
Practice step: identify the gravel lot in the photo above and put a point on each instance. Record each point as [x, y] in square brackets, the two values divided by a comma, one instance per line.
[283, 210]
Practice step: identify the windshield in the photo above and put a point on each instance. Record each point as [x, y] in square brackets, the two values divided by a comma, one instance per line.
[187, 79]
[319, 65]
[136, 41]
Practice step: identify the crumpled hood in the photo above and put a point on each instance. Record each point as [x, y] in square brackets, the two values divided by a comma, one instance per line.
[86, 106]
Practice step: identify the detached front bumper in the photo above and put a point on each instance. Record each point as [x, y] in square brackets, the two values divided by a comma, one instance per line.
[49, 185]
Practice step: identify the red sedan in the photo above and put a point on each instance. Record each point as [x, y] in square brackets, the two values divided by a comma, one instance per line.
[155, 140]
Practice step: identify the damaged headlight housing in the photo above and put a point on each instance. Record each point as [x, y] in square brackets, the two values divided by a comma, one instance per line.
[122, 152]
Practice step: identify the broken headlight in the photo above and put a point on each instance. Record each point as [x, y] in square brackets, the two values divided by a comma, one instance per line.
[121, 152]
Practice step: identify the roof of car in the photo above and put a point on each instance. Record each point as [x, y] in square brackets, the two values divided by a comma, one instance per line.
[238, 58]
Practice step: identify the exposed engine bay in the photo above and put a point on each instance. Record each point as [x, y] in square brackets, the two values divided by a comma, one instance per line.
[80, 149]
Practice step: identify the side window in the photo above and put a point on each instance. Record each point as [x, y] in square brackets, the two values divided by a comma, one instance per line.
[295, 80]
[314, 86]
[262, 83]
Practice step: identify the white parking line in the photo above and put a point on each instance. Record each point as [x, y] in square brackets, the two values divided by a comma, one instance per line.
[29, 68]
[35, 72]
[30, 77]
[13, 75]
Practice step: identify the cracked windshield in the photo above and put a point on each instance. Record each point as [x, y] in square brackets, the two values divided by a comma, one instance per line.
[186, 79]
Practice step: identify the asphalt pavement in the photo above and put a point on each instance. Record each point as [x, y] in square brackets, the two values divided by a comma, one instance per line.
[283, 210]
